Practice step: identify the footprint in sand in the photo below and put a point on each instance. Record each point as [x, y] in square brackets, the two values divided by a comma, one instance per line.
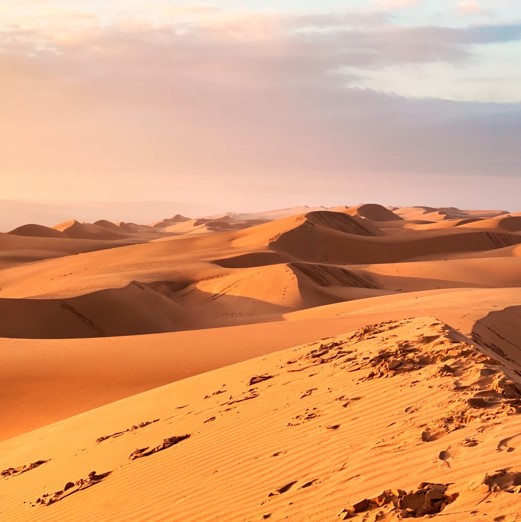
[470, 442]
[445, 456]
[430, 436]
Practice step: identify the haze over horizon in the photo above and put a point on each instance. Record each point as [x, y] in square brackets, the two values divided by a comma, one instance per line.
[264, 105]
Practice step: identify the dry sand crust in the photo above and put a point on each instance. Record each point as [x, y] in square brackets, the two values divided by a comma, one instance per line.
[400, 419]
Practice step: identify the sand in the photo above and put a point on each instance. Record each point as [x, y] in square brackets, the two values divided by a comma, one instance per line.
[299, 364]
[407, 417]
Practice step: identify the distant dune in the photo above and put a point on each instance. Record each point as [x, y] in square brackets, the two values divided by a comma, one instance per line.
[502, 223]
[36, 231]
[78, 230]
[16, 213]
[242, 272]
[373, 212]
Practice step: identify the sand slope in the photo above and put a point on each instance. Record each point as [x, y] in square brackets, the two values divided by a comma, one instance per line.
[205, 279]
[17, 250]
[33, 230]
[128, 365]
[311, 433]
[414, 413]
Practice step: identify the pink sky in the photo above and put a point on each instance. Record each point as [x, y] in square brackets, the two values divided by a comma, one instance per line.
[250, 109]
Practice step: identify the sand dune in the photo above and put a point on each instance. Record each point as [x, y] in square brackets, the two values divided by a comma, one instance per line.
[248, 296]
[373, 212]
[17, 250]
[36, 231]
[104, 223]
[308, 244]
[339, 222]
[78, 230]
[432, 214]
[128, 365]
[439, 225]
[133, 310]
[321, 221]
[92, 313]
[492, 272]
[262, 292]
[245, 276]
[504, 223]
[359, 398]
[178, 218]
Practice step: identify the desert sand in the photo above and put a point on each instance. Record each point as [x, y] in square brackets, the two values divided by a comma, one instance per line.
[360, 362]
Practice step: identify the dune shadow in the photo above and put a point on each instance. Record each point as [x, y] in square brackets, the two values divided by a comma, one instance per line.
[251, 260]
[500, 332]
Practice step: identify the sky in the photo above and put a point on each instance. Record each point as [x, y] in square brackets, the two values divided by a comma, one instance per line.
[262, 104]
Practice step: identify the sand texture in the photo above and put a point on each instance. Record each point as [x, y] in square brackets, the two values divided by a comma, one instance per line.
[308, 364]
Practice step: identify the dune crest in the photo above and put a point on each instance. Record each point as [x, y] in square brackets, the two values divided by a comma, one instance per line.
[36, 231]
[373, 212]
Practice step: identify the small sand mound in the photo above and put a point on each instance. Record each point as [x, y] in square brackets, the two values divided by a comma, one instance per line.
[374, 212]
[107, 224]
[132, 228]
[178, 218]
[36, 231]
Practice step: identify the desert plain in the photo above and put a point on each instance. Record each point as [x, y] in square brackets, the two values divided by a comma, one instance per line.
[306, 364]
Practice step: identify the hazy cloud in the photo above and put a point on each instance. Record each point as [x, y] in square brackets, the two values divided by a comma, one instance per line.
[257, 99]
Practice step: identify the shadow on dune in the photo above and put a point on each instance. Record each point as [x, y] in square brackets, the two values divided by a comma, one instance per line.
[307, 244]
[250, 260]
[137, 309]
[500, 332]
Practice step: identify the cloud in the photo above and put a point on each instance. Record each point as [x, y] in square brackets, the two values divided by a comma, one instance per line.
[143, 110]
[472, 7]
[395, 4]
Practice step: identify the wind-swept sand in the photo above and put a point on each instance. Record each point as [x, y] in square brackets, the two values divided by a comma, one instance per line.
[397, 419]
[86, 373]
[319, 432]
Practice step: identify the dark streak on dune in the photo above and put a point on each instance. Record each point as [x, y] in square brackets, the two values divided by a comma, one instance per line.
[326, 275]
[84, 319]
